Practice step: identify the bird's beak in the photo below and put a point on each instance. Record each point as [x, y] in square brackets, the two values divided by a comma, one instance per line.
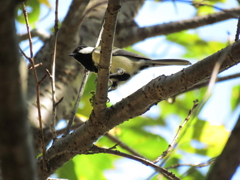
[71, 54]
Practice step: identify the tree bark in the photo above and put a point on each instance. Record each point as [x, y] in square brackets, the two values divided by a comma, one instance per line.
[16, 150]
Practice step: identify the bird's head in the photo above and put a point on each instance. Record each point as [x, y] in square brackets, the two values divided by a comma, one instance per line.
[83, 54]
[81, 50]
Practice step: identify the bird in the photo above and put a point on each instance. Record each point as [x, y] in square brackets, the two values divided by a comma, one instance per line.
[124, 65]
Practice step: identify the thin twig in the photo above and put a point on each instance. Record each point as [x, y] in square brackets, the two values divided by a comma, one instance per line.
[36, 65]
[52, 75]
[101, 31]
[40, 33]
[238, 30]
[206, 82]
[170, 146]
[205, 4]
[209, 162]
[80, 93]
[213, 78]
[59, 101]
[31, 59]
[122, 145]
[41, 80]
[191, 170]
[96, 150]
[166, 173]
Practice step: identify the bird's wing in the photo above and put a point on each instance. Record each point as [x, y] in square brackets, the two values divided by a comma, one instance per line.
[162, 62]
[121, 52]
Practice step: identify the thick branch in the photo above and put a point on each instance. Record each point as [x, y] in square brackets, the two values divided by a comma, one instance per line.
[136, 34]
[40, 33]
[69, 73]
[136, 104]
[16, 150]
[67, 70]
[146, 162]
[105, 58]
[71, 24]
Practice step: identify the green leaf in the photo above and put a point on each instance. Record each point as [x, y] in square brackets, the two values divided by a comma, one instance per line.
[85, 107]
[235, 98]
[67, 171]
[206, 7]
[86, 167]
[33, 9]
[195, 46]
[213, 138]
[205, 10]
[46, 2]
[134, 134]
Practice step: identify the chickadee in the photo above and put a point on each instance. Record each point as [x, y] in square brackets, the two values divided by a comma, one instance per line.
[124, 65]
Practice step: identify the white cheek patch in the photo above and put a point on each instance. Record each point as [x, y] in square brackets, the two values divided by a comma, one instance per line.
[87, 50]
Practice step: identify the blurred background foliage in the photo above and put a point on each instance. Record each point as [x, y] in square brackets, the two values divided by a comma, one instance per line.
[146, 134]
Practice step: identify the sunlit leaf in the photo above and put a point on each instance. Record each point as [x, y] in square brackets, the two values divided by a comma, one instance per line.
[85, 107]
[213, 137]
[46, 2]
[195, 46]
[33, 9]
[235, 98]
[67, 171]
[93, 163]
[137, 137]
[205, 10]
[206, 7]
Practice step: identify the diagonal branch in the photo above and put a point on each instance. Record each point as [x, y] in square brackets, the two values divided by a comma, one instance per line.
[74, 17]
[40, 33]
[166, 173]
[137, 34]
[136, 104]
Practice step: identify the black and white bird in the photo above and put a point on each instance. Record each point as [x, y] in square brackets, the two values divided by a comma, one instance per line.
[124, 64]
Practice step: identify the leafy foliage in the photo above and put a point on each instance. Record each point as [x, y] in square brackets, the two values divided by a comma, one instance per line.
[142, 134]
[195, 46]
[86, 167]
[235, 100]
[206, 7]
[33, 8]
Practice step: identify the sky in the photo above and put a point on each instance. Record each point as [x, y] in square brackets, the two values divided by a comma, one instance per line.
[152, 13]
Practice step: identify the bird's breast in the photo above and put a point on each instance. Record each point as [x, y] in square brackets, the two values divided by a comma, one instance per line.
[120, 62]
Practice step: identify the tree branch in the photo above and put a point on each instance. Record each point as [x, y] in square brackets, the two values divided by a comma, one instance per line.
[166, 173]
[99, 110]
[173, 143]
[40, 33]
[68, 72]
[16, 154]
[136, 104]
[206, 82]
[137, 34]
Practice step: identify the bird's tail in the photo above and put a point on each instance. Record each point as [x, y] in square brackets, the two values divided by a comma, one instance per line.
[167, 62]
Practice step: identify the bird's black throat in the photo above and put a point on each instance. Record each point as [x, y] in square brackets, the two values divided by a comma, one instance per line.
[86, 61]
